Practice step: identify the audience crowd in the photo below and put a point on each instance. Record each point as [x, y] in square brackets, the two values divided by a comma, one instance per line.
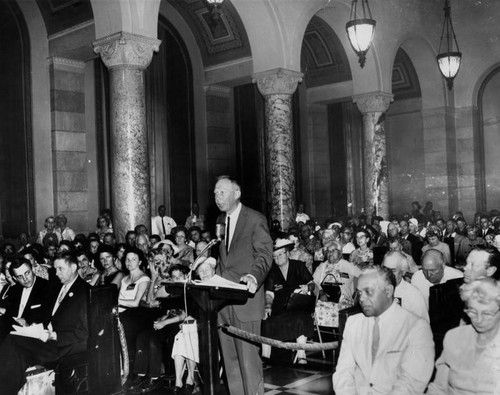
[425, 289]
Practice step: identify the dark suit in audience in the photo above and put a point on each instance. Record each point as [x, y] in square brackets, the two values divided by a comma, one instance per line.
[36, 310]
[445, 310]
[69, 323]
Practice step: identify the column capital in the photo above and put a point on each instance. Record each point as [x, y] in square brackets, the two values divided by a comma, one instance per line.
[277, 81]
[126, 50]
[373, 101]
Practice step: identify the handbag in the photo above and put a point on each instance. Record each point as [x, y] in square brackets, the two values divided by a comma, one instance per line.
[332, 289]
[300, 302]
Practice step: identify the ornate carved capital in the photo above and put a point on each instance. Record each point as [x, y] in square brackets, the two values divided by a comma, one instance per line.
[277, 82]
[373, 102]
[126, 50]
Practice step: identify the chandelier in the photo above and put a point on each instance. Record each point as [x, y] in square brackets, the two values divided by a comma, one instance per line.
[360, 31]
[449, 61]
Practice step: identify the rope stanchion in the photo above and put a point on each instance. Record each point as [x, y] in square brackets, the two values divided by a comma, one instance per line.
[277, 343]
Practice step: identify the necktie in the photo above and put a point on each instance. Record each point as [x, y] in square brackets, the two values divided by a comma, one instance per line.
[228, 225]
[62, 294]
[163, 226]
[375, 338]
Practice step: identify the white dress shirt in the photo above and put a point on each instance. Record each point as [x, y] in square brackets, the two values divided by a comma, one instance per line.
[24, 298]
[232, 223]
[157, 226]
[404, 360]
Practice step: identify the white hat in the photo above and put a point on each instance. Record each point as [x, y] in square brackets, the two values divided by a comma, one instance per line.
[283, 243]
[210, 260]
[413, 221]
[334, 224]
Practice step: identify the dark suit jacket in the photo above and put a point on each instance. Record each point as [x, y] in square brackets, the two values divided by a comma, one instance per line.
[416, 247]
[70, 321]
[38, 305]
[250, 253]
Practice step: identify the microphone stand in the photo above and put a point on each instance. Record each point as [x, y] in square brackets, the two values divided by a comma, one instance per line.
[197, 261]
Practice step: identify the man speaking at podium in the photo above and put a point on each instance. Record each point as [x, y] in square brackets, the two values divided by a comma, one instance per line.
[245, 256]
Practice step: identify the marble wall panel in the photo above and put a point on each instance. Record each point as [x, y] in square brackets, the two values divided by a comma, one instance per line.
[71, 181]
[69, 121]
[68, 81]
[71, 201]
[218, 135]
[68, 141]
[68, 101]
[215, 119]
[216, 151]
[69, 161]
[216, 103]
[465, 144]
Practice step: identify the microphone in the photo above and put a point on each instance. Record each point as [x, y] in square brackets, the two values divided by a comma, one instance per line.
[220, 231]
[197, 262]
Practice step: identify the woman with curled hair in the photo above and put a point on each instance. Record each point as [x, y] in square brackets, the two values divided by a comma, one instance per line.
[186, 252]
[362, 256]
[469, 363]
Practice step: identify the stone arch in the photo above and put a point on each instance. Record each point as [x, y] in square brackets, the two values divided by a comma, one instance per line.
[366, 79]
[487, 137]
[275, 32]
[423, 57]
[129, 16]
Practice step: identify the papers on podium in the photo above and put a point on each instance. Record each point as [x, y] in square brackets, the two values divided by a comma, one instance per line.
[218, 281]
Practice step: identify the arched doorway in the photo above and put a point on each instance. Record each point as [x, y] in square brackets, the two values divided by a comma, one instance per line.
[489, 103]
[16, 173]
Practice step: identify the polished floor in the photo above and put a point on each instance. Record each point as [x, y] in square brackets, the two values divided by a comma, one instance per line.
[282, 377]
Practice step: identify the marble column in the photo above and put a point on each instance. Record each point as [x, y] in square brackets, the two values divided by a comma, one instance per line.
[376, 195]
[127, 55]
[277, 86]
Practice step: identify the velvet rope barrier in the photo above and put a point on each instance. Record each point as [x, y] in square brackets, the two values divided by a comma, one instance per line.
[277, 343]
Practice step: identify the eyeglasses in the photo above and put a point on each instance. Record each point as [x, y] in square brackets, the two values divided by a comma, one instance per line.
[486, 315]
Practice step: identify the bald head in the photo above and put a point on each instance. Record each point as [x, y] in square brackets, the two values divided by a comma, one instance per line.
[396, 262]
[433, 265]
[392, 230]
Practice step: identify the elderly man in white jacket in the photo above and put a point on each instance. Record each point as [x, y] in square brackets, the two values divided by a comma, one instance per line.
[386, 350]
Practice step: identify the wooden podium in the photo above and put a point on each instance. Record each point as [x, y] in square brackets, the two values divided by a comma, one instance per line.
[208, 300]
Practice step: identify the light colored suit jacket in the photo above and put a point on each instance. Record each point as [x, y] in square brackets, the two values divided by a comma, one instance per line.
[251, 252]
[404, 361]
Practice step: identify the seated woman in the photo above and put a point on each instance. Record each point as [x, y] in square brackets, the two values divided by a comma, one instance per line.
[344, 274]
[109, 273]
[469, 362]
[103, 227]
[85, 270]
[133, 290]
[186, 252]
[362, 256]
[289, 300]
[147, 364]
[299, 253]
